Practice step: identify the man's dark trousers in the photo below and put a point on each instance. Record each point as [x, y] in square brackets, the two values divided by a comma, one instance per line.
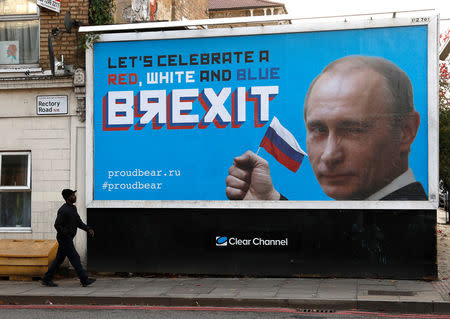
[65, 249]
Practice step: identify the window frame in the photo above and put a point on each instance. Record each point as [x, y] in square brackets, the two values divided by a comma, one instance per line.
[15, 188]
[4, 68]
[24, 189]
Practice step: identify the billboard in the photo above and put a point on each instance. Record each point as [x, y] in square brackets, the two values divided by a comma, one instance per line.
[295, 117]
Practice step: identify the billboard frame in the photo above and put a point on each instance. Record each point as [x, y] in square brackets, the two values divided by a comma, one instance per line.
[431, 21]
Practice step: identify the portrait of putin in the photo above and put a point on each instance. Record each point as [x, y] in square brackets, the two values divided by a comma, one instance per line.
[360, 123]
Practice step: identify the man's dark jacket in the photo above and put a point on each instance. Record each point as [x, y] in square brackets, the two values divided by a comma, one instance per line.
[413, 191]
[68, 221]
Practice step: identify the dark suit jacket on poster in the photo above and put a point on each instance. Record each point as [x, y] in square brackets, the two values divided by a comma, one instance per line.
[413, 191]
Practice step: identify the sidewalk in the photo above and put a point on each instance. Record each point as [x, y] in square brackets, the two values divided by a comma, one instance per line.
[404, 296]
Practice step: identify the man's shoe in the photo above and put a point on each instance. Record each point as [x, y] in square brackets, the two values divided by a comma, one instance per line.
[49, 283]
[88, 282]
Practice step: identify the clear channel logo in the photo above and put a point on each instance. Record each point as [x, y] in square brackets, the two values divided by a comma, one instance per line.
[255, 241]
[221, 241]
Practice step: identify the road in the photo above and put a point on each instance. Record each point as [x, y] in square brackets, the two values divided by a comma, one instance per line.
[136, 312]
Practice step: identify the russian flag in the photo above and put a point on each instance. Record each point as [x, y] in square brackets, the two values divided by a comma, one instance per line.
[282, 145]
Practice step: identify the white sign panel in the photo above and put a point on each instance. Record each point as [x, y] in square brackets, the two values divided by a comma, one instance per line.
[51, 104]
[53, 5]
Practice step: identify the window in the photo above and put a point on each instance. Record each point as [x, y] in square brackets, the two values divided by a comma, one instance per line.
[19, 33]
[15, 189]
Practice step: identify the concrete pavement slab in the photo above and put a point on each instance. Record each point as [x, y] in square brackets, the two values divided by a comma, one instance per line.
[378, 298]
[340, 281]
[221, 293]
[149, 290]
[383, 282]
[265, 282]
[289, 290]
[428, 296]
[418, 287]
[296, 295]
[232, 283]
[182, 290]
[15, 291]
[386, 290]
[305, 293]
[300, 282]
[443, 287]
[258, 292]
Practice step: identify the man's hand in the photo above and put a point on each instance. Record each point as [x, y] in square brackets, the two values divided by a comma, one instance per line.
[249, 178]
[91, 232]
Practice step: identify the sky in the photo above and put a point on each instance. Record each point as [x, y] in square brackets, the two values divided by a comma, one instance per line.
[301, 8]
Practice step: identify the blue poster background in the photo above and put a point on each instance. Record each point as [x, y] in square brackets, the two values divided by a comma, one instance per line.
[198, 159]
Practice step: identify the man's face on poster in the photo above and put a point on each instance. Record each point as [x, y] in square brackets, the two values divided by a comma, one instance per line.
[352, 144]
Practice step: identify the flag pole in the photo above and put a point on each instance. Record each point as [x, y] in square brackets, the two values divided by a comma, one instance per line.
[258, 150]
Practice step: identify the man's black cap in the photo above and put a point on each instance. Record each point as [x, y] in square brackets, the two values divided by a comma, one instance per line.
[66, 193]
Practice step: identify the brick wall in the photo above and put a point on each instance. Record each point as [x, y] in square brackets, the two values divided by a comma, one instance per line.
[164, 12]
[129, 11]
[245, 12]
[234, 13]
[167, 10]
[65, 44]
[191, 9]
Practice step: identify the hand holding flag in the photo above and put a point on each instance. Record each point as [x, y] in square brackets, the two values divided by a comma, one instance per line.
[249, 176]
[282, 145]
[249, 179]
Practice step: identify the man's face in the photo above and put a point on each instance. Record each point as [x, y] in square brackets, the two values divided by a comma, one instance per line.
[352, 145]
[73, 198]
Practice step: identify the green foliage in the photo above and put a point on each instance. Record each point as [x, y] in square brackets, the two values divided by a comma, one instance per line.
[444, 141]
[101, 12]
[444, 147]
[87, 40]
[444, 120]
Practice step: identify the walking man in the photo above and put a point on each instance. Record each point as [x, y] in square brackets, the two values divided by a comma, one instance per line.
[66, 225]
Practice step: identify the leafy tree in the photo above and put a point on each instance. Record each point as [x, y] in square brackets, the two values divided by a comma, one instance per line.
[444, 118]
[101, 12]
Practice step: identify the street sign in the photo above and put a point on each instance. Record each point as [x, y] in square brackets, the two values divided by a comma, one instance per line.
[51, 104]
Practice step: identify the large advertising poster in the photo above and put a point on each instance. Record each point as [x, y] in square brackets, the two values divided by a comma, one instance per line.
[298, 116]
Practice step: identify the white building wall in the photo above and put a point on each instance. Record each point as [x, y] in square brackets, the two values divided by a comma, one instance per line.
[57, 146]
